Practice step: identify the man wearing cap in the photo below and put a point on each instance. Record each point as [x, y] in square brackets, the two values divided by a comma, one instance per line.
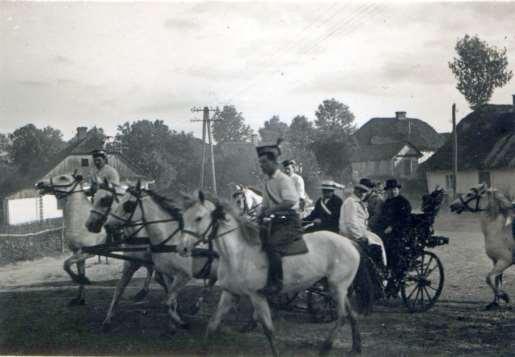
[289, 169]
[280, 200]
[104, 171]
[394, 220]
[326, 214]
[354, 216]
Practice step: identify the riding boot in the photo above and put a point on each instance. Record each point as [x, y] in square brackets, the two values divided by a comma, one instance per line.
[275, 273]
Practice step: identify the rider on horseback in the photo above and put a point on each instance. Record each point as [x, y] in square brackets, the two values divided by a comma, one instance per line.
[279, 215]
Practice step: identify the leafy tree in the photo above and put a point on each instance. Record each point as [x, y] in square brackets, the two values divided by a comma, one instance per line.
[32, 148]
[231, 126]
[334, 118]
[479, 69]
[273, 129]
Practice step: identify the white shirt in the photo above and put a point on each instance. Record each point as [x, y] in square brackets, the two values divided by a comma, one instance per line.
[281, 188]
[353, 218]
[299, 185]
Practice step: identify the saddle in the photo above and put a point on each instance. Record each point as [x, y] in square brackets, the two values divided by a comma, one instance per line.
[284, 234]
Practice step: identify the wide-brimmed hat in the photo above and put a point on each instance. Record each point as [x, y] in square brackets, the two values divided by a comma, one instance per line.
[328, 185]
[99, 153]
[365, 184]
[392, 183]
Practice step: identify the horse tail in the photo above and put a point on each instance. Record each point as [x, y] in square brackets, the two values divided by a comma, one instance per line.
[363, 285]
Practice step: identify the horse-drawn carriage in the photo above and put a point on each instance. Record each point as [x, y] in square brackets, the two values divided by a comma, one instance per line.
[419, 277]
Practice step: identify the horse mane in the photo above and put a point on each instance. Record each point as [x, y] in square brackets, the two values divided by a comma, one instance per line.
[167, 204]
[249, 229]
[500, 204]
[256, 191]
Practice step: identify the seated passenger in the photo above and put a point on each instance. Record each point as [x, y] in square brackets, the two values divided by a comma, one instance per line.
[326, 213]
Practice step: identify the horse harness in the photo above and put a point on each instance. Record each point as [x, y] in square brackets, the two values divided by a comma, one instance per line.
[477, 197]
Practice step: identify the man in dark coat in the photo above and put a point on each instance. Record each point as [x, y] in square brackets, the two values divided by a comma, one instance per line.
[326, 214]
[393, 222]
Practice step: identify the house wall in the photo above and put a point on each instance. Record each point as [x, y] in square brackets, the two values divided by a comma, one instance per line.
[501, 179]
[31, 209]
[372, 168]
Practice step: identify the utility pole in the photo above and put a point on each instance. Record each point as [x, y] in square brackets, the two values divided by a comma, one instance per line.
[454, 151]
[206, 131]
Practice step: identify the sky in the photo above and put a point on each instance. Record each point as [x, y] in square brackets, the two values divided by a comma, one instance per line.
[76, 64]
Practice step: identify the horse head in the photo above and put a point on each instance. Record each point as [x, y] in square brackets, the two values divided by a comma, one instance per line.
[106, 199]
[61, 185]
[471, 201]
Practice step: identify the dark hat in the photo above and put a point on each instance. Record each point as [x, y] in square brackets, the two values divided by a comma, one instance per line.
[273, 149]
[365, 184]
[287, 163]
[392, 183]
[99, 153]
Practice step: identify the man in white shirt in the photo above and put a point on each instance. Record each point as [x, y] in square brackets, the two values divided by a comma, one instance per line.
[289, 169]
[354, 216]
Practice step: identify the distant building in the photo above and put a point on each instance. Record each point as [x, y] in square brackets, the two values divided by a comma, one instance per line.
[24, 204]
[486, 151]
[393, 146]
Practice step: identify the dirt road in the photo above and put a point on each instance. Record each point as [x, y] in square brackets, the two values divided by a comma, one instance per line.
[35, 319]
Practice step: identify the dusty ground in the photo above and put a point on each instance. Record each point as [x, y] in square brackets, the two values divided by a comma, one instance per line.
[35, 319]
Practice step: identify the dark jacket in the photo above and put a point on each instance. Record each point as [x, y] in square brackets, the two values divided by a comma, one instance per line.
[396, 212]
[330, 221]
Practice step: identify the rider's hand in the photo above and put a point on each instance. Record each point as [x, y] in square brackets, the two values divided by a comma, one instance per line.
[317, 221]
[388, 230]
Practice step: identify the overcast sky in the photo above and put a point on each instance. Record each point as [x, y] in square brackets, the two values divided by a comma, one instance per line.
[85, 64]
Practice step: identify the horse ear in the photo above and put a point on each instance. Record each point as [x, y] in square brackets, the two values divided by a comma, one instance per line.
[75, 172]
[201, 196]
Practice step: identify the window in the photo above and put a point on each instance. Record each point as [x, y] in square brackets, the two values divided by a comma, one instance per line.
[484, 177]
[85, 162]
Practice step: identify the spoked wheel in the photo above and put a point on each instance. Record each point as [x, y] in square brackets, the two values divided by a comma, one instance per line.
[423, 282]
[321, 304]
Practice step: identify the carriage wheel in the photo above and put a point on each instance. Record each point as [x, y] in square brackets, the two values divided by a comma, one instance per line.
[422, 283]
[321, 304]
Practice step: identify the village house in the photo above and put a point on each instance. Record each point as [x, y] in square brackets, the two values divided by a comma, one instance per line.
[24, 204]
[393, 146]
[486, 152]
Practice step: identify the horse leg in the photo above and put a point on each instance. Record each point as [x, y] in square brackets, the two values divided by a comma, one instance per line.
[129, 268]
[343, 311]
[175, 284]
[493, 280]
[79, 259]
[140, 295]
[263, 314]
[356, 335]
[224, 306]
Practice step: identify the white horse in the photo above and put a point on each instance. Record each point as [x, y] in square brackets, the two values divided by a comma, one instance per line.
[242, 268]
[160, 218]
[247, 200]
[70, 188]
[106, 199]
[494, 209]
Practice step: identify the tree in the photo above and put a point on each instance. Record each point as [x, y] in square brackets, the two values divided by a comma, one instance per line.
[231, 126]
[32, 148]
[334, 118]
[479, 69]
[273, 129]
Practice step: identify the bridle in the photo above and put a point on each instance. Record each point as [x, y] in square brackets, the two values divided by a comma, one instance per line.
[477, 197]
[210, 234]
[55, 189]
[114, 197]
[139, 194]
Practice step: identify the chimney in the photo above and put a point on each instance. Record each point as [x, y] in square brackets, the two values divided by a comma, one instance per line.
[82, 131]
[400, 115]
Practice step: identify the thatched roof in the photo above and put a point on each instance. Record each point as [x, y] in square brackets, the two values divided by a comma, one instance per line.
[486, 140]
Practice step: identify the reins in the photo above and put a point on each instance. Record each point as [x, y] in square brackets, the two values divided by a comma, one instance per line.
[465, 203]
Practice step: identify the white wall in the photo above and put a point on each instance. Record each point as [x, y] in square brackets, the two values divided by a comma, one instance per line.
[504, 180]
[25, 210]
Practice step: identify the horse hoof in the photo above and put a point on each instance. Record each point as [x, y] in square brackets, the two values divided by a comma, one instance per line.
[106, 327]
[504, 297]
[83, 281]
[249, 327]
[194, 309]
[77, 302]
[325, 348]
[492, 306]
[142, 294]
